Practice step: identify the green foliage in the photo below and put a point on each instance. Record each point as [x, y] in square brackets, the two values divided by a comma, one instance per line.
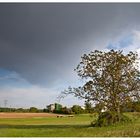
[3, 109]
[20, 110]
[109, 118]
[112, 80]
[45, 110]
[77, 109]
[33, 109]
[88, 107]
[66, 110]
[136, 106]
[131, 107]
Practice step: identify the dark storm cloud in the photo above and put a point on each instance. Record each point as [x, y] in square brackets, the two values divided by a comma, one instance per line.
[44, 42]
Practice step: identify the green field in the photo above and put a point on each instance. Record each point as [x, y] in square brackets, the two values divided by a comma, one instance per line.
[78, 126]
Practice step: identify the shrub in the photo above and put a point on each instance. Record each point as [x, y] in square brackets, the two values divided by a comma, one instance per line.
[109, 118]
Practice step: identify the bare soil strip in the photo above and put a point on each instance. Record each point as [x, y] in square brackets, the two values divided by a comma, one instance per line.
[26, 115]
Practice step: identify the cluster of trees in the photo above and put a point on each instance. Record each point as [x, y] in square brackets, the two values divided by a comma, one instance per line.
[75, 109]
[63, 110]
[131, 107]
[88, 108]
[31, 109]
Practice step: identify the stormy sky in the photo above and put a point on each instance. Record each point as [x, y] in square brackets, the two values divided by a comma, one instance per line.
[41, 44]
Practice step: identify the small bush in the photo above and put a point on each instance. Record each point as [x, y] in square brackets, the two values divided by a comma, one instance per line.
[110, 118]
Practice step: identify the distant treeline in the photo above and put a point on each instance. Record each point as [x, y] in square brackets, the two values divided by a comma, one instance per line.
[75, 109]
[31, 109]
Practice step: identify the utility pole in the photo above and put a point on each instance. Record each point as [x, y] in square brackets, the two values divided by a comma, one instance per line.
[5, 103]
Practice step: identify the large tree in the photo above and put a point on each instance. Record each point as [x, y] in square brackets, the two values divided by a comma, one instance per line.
[112, 79]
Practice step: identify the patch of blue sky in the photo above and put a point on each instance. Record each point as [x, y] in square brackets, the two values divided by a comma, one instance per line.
[4, 72]
[112, 46]
[12, 79]
[124, 42]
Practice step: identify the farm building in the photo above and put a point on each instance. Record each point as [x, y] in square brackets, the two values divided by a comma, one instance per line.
[54, 107]
[51, 107]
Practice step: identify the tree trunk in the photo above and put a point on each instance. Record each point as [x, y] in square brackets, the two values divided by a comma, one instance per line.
[119, 113]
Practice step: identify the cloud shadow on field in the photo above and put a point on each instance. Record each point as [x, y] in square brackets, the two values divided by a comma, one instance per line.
[42, 126]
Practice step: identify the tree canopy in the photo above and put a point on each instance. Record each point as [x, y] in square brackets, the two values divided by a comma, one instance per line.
[112, 79]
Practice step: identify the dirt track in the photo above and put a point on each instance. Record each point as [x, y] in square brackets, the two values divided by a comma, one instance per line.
[26, 115]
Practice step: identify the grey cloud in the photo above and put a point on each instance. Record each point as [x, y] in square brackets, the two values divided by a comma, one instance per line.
[44, 42]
